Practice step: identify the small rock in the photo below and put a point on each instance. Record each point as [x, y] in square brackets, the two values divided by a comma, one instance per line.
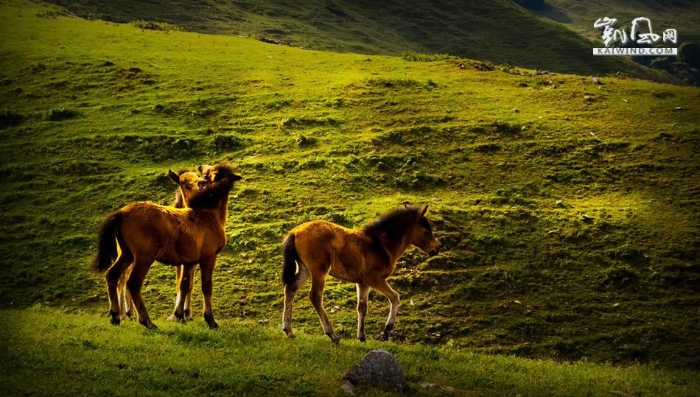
[597, 81]
[516, 110]
[348, 388]
[586, 218]
[378, 369]
[678, 108]
[264, 321]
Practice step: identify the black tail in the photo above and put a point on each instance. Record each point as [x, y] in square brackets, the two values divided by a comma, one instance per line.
[107, 243]
[290, 255]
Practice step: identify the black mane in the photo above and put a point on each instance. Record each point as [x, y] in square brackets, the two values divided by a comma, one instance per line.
[392, 225]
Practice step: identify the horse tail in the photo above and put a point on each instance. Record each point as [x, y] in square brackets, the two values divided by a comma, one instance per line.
[106, 242]
[290, 258]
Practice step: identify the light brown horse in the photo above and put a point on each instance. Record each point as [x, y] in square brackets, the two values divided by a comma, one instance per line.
[365, 257]
[145, 232]
[192, 183]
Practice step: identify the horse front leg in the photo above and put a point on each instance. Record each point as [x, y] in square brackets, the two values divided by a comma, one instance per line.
[178, 279]
[362, 297]
[207, 269]
[184, 274]
[188, 297]
[383, 288]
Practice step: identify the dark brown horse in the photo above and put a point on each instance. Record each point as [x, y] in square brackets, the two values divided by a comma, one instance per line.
[145, 232]
[366, 257]
[181, 201]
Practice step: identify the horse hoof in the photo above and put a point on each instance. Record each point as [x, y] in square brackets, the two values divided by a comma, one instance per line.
[115, 321]
[148, 324]
[334, 339]
[212, 324]
[362, 339]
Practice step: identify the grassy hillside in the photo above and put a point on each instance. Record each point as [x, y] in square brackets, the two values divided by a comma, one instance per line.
[567, 210]
[683, 15]
[494, 30]
[80, 355]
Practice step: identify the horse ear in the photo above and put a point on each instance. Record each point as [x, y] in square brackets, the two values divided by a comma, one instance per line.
[422, 214]
[174, 177]
[236, 177]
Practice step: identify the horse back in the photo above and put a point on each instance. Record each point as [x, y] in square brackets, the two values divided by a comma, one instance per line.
[333, 249]
[168, 234]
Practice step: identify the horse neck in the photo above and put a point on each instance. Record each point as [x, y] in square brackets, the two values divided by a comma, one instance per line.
[219, 213]
[396, 248]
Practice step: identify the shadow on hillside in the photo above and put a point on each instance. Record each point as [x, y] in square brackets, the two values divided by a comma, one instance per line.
[541, 8]
[552, 13]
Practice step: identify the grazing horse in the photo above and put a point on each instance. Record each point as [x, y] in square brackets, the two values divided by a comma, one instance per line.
[144, 232]
[365, 257]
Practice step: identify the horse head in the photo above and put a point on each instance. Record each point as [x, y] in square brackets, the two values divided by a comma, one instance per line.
[189, 185]
[422, 235]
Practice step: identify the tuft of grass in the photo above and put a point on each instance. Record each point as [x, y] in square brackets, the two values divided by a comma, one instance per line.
[60, 114]
[161, 26]
[10, 118]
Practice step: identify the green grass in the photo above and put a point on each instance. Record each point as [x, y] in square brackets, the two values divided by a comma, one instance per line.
[495, 30]
[81, 355]
[567, 210]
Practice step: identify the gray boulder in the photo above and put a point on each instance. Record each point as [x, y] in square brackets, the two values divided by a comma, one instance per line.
[378, 369]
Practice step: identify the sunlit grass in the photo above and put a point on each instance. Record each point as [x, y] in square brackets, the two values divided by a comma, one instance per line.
[509, 160]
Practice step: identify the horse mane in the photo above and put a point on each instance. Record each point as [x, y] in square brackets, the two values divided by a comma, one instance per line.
[392, 225]
[221, 187]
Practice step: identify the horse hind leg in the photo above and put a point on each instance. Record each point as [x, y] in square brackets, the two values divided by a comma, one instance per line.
[318, 282]
[114, 276]
[125, 304]
[290, 291]
[134, 284]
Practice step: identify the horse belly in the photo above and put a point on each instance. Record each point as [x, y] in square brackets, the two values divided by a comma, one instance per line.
[349, 264]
